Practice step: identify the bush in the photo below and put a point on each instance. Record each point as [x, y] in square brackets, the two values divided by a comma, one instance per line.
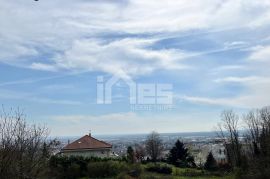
[63, 167]
[135, 170]
[159, 168]
[105, 169]
[74, 171]
[193, 172]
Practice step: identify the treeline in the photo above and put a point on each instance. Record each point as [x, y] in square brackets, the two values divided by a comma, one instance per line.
[248, 152]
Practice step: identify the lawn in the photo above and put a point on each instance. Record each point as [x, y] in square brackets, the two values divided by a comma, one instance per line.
[148, 175]
[185, 173]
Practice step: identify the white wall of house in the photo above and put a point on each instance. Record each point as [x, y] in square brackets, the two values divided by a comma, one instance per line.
[102, 153]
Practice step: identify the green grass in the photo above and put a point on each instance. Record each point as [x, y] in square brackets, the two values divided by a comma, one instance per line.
[177, 173]
[185, 173]
[148, 175]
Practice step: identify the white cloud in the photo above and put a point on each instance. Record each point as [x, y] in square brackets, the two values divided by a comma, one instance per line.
[261, 54]
[235, 44]
[255, 94]
[15, 95]
[43, 67]
[63, 28]
[124, 57]
[254, 82]
[228, 68]
[209, 101]
[10, 50]
[255, 100]
[92, 36]
[238, 79]
[84, 118]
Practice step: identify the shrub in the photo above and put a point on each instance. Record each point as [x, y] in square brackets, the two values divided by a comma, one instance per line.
[105, 169]
[74, 171]
[159, 168]
[193, 172]
[135, 170]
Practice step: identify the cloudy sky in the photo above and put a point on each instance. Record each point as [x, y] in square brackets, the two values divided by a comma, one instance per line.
[215, 53]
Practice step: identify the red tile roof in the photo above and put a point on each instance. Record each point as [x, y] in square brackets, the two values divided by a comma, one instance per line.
[87, 142]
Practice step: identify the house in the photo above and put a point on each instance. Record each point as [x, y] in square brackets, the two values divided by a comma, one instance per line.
[87, 146]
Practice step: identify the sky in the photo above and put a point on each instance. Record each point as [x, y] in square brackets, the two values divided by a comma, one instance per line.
[214, 54]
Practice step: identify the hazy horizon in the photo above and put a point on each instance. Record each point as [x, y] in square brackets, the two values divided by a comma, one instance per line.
[130, 134]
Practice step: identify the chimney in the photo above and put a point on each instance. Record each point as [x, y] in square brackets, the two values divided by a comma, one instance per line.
[89, 133]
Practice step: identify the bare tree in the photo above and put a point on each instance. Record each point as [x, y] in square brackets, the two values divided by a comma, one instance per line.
[140, 152]
[24, 149]
[154, 146]
[258, 136]
[254, 128]
[229, 131]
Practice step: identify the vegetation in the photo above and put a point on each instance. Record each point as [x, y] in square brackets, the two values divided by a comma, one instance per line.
[210, 163]
[180, 157]
[24, 149]
[78, 167]
[159, 168]
[140, 153]
[26, 153]
[154, 146]
[130, 155]
[75, 167]
[249, 158]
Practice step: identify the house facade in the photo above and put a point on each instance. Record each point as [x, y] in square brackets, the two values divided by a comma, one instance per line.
[87, 146]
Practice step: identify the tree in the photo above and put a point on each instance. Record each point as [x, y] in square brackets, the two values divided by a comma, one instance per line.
[140, 153]
[154, 146]
[179, 156]
[258, 140]
[130, 154]
[24, 148]
[229, 132]
[251, 155]
[210, 163]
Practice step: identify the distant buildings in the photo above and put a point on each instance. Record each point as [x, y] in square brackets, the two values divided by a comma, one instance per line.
[219, 153]
[201, 151]
[87, 146]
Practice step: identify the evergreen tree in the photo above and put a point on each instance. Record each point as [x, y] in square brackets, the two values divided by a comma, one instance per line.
[179, 156]
[130, 155]
[210, 163]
